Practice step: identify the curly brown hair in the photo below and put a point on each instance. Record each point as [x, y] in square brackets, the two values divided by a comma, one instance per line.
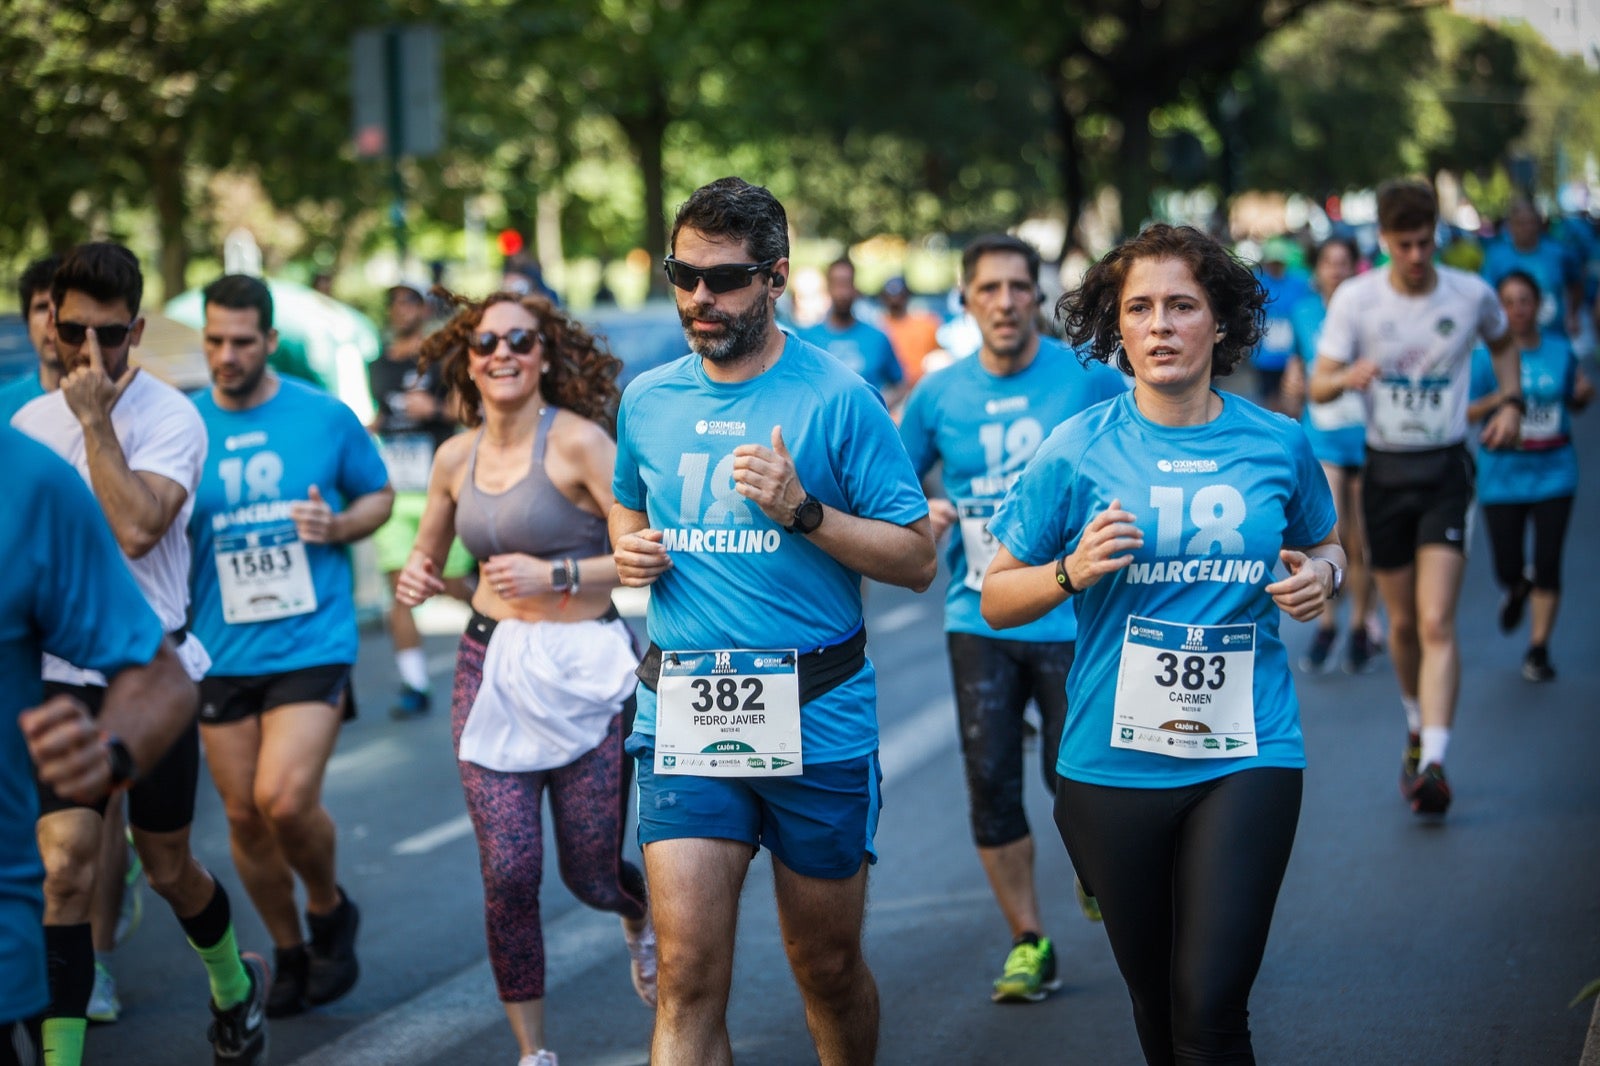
[1090, 314]
[582, 374]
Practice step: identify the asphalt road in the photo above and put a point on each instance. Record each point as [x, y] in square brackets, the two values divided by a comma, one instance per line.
[1395, 941]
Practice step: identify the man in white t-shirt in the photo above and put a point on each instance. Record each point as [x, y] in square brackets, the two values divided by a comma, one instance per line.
[140, 445]
[1402, 336]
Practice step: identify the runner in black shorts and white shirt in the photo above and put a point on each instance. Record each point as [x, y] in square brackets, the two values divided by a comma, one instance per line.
[1402, 335]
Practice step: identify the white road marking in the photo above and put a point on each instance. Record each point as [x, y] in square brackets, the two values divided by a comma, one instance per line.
[897, 619]
[437, 837]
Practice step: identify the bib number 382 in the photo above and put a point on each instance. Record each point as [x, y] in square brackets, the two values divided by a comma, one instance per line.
[731, 713]
[1186, 691]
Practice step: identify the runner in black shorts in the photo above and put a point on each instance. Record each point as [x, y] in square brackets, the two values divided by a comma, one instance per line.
[271, 587]
[1402, 336]
[980, 421]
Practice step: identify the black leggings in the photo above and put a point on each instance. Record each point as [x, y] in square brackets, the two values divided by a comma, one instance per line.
[1187, 879]
[1508, 525]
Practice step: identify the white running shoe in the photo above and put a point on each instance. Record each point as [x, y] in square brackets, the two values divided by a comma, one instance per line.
[104, 1007]
[642, 956]
[132, 899]
[542, 1057]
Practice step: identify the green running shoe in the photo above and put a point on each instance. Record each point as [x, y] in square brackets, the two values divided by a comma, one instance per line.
[1087, 903]
[1030, 972]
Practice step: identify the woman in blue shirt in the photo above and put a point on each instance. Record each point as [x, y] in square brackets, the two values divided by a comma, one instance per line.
[1533, 482]
[1164, 513]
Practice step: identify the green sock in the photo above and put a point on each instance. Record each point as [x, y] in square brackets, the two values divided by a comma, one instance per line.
[230, 984]
[63, 1041]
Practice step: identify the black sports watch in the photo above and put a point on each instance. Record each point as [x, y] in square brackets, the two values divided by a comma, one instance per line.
[123, 768]
[807, 517]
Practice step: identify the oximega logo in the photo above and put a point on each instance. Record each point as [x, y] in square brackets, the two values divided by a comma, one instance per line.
[719, 428]
[1187, 466]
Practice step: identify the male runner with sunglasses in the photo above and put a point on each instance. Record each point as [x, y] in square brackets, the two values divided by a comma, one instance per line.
[140, 445]
[277, 504]
[758, 480]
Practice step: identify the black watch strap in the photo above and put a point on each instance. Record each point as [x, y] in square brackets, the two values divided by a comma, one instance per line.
[807, 517]
[123, 768]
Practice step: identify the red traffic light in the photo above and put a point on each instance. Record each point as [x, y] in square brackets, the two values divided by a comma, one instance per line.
[510, 242]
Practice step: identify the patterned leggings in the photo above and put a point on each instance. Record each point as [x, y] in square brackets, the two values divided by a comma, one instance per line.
[588, 804]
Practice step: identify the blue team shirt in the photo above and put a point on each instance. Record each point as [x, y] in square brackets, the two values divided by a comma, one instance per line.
[1552, 266]
[67, 591]
[1277, 337]
[15, 395]
[1544, 465]
[1346, 445]
[984, 428]
[737, 579]
[864, 349]
[1215, 503]
[258, 463]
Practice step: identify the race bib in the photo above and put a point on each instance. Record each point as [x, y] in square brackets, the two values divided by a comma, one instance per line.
[1186, 691]
[263, 575]
[732, 713]
[1541, 424]
[1412, 413]
[1346, 411]
[977, 542]
[1547, 309]
[409, 457]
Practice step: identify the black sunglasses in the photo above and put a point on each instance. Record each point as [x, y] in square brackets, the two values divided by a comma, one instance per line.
[520, 341]
[75, 333]
[724, 277]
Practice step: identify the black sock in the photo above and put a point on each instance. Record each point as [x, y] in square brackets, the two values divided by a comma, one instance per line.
[1030, 937]
[69, 951]
[207, 928]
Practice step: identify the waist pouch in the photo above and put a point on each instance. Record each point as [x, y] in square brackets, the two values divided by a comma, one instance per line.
[820, 671]
[1432, 468]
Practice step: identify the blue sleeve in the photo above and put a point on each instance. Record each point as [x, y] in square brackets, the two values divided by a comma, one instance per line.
[1483, 380]
[361, 468]
[81, 580]
[627, 483]
[1034, 520]
[916, 427]
[1309, 514]
[874, 470]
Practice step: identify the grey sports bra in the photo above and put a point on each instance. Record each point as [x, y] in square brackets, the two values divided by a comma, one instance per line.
[531, 517]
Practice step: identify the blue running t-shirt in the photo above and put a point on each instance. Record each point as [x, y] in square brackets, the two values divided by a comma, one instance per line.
[863, 348]
[737, 579]
[1338, 430]
[1551, 264]
[984, 428]
[1215, 503]
[15, 395]
[67, 591]
[259, 462]
[1544, 464]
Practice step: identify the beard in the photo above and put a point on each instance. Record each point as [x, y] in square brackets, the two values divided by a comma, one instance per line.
[245, 385]
[743, 333]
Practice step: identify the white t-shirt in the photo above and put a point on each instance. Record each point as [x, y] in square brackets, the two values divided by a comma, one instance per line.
[1423, 348]
[161, 433]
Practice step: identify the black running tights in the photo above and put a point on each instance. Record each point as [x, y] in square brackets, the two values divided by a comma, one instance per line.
[1187, 879]
[1508, 529]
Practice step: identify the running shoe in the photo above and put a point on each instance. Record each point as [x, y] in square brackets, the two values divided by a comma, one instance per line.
[1030, 972]
[1536, 664]
[542, 1057]
[289, 969]
[238, 1035]
[642, 960]
[1360, 651]
[104, 1006]
[132, 912]
[1430, 792]
[411, 703]
[1315, 660]
[332, 970]
[1511, 605]
[1086, 903]
[1409, 763]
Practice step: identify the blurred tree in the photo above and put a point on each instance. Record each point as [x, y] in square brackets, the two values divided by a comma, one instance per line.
[1480, 85]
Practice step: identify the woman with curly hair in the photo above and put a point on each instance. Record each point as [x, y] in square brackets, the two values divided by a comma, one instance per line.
[1165, 512]
[545, 668]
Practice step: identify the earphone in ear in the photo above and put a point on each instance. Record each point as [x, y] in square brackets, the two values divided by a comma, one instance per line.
[777, 281]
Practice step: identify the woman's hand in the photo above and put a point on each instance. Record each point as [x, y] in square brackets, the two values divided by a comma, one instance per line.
[1105, 546]
[418, 580]
[1304, 592]
[516, 576]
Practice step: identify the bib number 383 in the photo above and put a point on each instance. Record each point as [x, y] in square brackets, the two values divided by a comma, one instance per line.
[732, 713]
[1186, 691]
